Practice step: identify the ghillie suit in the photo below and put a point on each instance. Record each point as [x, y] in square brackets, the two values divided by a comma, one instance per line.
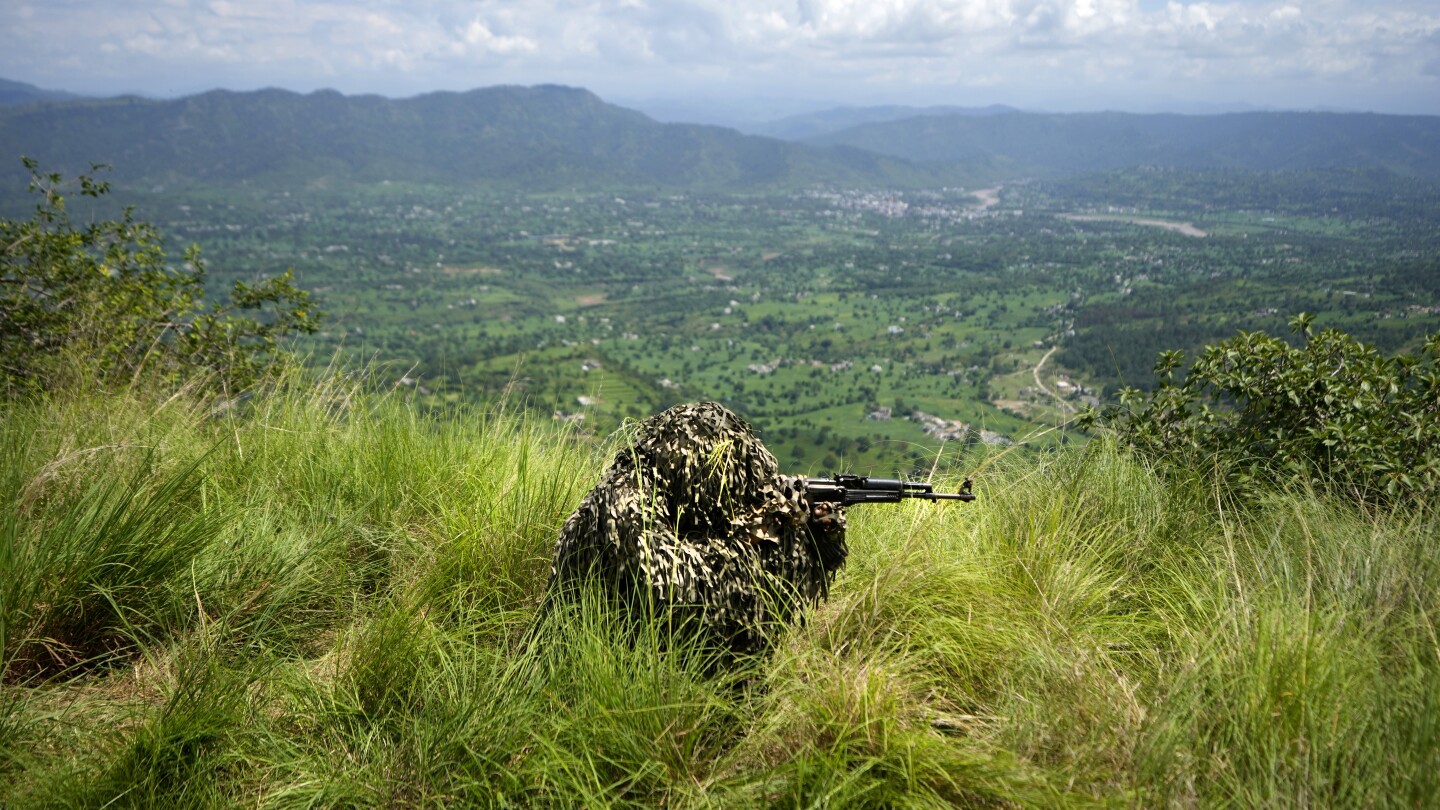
[695, 521]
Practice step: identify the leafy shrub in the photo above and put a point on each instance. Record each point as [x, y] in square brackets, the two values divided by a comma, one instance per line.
[102, 301]
[1331, 413]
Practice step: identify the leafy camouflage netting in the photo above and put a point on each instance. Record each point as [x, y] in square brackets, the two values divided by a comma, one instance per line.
[695, 519]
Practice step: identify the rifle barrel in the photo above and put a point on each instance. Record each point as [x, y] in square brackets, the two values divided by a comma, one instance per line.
[855, 489]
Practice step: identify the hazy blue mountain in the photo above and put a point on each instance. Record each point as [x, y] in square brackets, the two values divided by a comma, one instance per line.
[538, 137]
[743, 114]
[12, 92]
[824, 122]
[550, 137]
[1055, 143]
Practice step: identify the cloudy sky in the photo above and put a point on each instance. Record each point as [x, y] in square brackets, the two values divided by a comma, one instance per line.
[1379, 55]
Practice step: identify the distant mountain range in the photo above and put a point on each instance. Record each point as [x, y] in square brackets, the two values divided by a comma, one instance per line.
[22, 93]
[1045, 144]
[827, 122]
[550, 137]
[540, 137]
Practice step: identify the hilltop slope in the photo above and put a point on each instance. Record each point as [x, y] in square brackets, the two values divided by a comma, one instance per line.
[327, 598]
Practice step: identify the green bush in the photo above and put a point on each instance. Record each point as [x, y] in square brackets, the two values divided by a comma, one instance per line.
[100, 303]
[1331, 413]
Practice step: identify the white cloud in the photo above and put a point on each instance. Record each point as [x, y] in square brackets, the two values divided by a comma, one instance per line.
[478, 34]
[796, 46]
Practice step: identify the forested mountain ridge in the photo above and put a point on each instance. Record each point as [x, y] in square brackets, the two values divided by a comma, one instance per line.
[826, 122]
[536, 137]
[1087, 142]
[552, 137]
[12, 92]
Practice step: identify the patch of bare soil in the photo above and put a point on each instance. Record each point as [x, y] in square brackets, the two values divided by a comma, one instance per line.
[1186, 228]
[1015, 405]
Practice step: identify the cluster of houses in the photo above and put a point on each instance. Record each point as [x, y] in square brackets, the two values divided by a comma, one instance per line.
[945, 430]
[891, 204]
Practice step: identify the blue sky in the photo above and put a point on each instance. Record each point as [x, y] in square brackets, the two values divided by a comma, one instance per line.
[1381, 55]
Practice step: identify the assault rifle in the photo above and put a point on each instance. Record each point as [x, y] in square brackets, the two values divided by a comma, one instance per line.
[847, 490]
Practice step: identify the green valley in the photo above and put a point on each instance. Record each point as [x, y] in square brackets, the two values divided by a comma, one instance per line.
[819, 313]
[989, 276]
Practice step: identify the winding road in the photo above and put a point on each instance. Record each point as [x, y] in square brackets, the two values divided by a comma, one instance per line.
[1035, 372]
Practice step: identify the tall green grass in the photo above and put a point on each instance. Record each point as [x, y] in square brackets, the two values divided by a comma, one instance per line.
[323, 597]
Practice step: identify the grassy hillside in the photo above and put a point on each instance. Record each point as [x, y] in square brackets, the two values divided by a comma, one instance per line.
[321, 597]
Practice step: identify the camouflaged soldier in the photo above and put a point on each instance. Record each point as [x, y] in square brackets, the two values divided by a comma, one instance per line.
[695, 519]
